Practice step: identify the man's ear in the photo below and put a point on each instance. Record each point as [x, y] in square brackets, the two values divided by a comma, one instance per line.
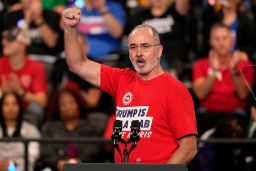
[160, 51]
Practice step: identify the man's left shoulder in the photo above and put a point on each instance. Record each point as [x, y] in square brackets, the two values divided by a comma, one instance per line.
[173, 81]
[175, 86]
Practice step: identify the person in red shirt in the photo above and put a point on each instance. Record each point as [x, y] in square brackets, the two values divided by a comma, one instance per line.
[219, 81]
[21, 75]
[151, 95]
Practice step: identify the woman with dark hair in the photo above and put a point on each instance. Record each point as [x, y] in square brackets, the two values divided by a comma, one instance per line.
[12, 125]
[68, 112]
[54, 106]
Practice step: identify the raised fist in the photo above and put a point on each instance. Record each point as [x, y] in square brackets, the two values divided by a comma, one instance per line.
[71, 17]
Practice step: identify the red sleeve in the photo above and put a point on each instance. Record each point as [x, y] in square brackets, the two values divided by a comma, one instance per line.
[109, 79]
[39, 79]
[199, 70]
[247, 70]
[181, 116]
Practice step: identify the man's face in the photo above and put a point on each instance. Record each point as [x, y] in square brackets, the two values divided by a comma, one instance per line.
[12, 47]
[144, 51]
[221, 41]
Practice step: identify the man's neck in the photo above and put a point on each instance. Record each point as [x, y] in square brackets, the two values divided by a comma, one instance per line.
[153, 74]
[17, 61]
[225, 60]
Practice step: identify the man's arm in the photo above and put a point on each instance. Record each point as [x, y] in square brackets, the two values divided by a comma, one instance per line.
[115, 28]
[239, 83]
[49, 36]
[14, 85]
[240, 86]
[203, 86]
[77, 61]
[39, 98]
[35, 13]
[185, 152]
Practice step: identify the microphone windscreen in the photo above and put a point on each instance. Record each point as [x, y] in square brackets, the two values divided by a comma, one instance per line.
[135, 123]
[117, 124]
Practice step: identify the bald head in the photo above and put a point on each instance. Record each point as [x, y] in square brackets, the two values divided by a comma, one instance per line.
[150, 29]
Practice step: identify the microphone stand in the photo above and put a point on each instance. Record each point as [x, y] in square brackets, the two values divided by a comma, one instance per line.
[126, 153]
[116, 137]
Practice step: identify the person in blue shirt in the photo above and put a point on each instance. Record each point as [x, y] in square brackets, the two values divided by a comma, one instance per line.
[102, 23]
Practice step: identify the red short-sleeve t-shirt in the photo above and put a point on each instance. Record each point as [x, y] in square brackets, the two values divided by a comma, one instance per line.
[163, 106]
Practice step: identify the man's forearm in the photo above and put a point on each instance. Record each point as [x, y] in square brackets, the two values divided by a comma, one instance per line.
[182, 155]
[50, 37]
[204, 87]
[74, 55]
[185, 152]
[114, 27]
[39, 98]
[240, 86]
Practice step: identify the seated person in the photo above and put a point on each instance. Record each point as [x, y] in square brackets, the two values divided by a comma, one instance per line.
[12, 125]
[218, 80]
[68, 112]
[224, 157]
[43, 26]
[234, 14]
[22, 75]
[102, 22]
[172, 19]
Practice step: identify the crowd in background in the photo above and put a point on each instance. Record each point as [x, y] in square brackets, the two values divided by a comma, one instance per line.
[209, 45]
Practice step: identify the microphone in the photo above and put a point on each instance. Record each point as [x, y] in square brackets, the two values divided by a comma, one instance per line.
[135, 130]
[117, 129]
[116, 136]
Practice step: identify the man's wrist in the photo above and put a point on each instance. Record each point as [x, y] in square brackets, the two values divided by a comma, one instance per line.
[215, 73]
[235, 72]
[212, 72]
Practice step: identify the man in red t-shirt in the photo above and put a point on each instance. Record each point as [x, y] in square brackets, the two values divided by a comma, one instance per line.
[161, 103]
[218, 81]
[21, 75]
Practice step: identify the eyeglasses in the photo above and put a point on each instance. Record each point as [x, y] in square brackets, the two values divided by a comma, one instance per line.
[144, 47]
[10, 35]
